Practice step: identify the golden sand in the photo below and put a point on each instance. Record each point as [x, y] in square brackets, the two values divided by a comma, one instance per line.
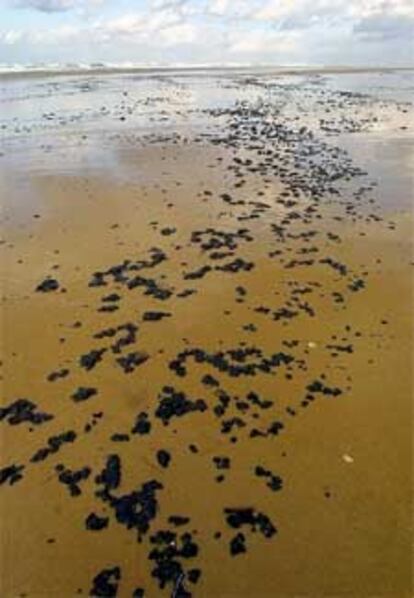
[343, 515]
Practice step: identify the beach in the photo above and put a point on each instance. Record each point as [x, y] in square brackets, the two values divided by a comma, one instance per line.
[207, 333]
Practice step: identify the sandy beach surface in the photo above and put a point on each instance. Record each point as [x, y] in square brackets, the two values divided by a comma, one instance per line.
[207, 322]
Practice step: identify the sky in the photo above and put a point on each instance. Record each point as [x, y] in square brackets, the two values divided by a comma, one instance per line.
[278, 32]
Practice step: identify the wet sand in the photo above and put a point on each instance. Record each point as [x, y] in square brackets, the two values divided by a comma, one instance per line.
[207, 341]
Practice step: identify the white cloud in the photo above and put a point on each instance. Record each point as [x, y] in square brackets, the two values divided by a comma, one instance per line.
[164, 28]
[308, 13]
[265, 43]
[138, 26]
[305, 31]
[185, 33]
[233, 9]
[229, 8]
[281, 9]
[10, 37]
[52, 37]
[369, 8]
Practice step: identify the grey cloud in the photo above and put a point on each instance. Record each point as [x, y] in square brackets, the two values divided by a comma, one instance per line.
[49, 6]
[44, 5]
[382, 27]
[168, 4]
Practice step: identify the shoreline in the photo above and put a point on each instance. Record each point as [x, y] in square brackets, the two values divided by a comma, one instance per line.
[207, 70]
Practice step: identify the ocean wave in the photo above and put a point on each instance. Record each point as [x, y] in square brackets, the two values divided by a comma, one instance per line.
[100, 67]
